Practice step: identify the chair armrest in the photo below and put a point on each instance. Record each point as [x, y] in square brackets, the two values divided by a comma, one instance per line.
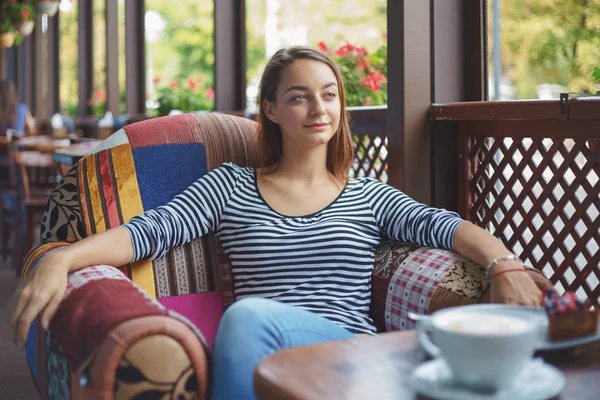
[109, 335]
[408, 278]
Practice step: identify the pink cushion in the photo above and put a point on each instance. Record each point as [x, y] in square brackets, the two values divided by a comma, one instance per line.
[203, 309]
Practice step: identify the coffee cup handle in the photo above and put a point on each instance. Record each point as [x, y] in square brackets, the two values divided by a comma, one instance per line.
[423, 328]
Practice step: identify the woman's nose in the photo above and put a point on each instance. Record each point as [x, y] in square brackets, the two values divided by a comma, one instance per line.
[318, 108]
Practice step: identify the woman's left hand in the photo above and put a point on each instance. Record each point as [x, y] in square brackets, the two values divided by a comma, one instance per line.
[515, 287]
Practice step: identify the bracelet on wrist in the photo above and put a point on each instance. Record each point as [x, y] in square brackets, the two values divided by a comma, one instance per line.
[495, 261]
[506, 270]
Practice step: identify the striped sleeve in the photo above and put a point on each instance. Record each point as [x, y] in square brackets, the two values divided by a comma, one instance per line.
[401, 218]
[191, 214]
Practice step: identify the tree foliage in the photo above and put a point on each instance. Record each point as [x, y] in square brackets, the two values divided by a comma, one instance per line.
[549, 41]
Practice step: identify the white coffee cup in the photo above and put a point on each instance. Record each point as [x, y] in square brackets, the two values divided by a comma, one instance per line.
[484, 351]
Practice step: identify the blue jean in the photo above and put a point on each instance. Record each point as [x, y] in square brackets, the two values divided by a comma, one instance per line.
[253, 328]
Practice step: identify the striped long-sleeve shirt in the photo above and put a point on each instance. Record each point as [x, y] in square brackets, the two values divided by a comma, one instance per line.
[320, 262]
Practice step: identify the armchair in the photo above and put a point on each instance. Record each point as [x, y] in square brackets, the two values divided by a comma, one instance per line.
[146, 329]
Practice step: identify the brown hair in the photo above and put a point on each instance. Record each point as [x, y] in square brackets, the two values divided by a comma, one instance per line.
[8, 104]
[340, 152]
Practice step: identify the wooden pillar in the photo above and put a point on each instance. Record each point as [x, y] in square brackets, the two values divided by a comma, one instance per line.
[3, 63]
[409, 97]
[230, 55]
[25, 79]
[53, 77]
[135, 58]
[85, 18]
[11, 64]
[395, 14]
[112, 57]
[476, 47]
[448, 85]
[39, 109]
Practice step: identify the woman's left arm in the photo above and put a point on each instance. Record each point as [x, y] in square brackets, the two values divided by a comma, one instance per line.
[401, 218]
[511, 287]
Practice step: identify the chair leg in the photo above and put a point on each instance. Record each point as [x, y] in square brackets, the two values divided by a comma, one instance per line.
[6, 233]
[19, 249]
[29, 242]
[3, 239]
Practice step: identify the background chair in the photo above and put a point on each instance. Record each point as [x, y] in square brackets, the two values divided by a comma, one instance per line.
[146, 329]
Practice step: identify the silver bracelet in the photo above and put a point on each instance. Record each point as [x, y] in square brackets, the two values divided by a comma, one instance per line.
[497, 260]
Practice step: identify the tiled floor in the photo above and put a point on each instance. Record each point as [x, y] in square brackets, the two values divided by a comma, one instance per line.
[15, 381]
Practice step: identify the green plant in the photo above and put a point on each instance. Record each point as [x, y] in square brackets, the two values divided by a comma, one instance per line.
[69, 109]
[188, 97]
[596, 76]
[13, 12]
[97, 102]
[365, 76]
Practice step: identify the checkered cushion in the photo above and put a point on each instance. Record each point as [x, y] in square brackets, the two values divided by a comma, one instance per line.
[408, 278]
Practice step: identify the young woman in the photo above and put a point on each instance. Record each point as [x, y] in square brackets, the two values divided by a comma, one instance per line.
[13, 115]
[300, 235]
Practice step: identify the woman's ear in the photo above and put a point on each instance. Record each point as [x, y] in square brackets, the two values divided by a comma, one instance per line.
[269, 108]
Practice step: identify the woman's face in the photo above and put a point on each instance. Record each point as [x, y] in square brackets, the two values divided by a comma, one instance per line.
[307, 106]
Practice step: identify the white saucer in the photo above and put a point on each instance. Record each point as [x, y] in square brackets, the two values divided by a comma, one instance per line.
[537, 381]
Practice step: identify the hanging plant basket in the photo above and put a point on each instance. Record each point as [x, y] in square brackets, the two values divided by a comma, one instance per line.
[7, 39]
[25, 28]
[49, 7]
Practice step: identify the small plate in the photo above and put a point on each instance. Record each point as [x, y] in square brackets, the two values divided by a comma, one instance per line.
[541, 318]
[538, 315]
[537, 381]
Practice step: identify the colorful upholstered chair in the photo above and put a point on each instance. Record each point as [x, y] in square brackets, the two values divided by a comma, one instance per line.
[147, 328]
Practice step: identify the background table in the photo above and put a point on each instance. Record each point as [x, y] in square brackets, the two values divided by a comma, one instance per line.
[68, 156]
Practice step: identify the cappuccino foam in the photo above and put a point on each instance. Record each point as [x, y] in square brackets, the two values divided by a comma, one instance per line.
[481, 324]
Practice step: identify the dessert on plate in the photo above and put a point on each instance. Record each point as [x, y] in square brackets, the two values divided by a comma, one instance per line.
[568, 316]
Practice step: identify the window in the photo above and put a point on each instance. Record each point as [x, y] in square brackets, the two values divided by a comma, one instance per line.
[97, 100]
[352, 31]
[539, 48]
[180, 54]
[122, 59]
[68, 53]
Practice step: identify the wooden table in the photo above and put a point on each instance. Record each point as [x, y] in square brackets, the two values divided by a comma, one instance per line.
[68, 156]
[39, 143]
[379, 367]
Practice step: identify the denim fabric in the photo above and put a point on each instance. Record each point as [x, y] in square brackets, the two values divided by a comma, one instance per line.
[253, 328]
[164, 171]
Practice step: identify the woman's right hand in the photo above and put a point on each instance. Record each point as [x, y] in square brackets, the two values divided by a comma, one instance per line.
[41, 292]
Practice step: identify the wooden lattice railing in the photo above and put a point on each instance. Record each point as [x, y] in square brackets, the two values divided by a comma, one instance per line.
[529, 172]
[369, 135]
[370, 157]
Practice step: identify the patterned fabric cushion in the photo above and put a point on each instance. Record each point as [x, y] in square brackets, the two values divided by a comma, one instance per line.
[139, 167]
[408, 278]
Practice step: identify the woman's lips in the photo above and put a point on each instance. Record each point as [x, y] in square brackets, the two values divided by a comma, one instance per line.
[317, 126]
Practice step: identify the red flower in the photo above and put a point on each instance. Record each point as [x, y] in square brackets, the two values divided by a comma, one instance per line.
[323, 47]
[350, 49]
[378, 76]
[192, 84]
[363, 64]
[210, 93]
[173, 84]
[26, 14]
[100, 95]
[156, 79]
[373, 80]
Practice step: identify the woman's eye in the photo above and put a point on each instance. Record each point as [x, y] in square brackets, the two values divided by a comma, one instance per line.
[330, 95]
[299, 97]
